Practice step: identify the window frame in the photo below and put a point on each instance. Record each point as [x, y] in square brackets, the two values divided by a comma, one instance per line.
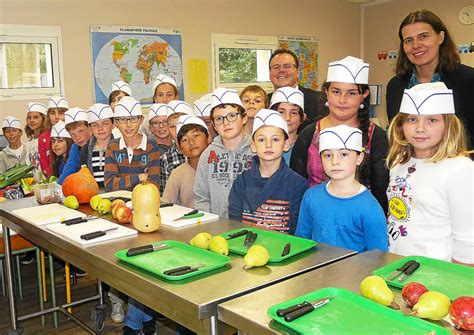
[241, 42]
[41, 35]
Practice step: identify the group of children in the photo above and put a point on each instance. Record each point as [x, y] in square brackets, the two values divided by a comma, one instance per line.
[232, 156]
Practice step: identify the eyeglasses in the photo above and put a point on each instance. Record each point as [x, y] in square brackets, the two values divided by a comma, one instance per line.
[229, 117]
[278, 67]
[157, 124]
[124, 119]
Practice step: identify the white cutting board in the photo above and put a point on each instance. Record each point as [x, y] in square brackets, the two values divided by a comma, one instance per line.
[168, 214]
[74, 232]
[121, 193]
[45, 214]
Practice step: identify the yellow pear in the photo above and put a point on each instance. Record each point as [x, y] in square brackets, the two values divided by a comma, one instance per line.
[256, 256]
[71, 202]
[219, 245]
[201, 240]
[104, 206]
[432, 305]
[94, 202]
[376, 289]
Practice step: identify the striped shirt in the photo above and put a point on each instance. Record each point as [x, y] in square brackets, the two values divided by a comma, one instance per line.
[120, 174]
[98, 162]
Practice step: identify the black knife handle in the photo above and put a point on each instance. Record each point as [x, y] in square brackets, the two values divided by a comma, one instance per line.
[284, 311]
[299, 313]
[171, 272]
[406, 265]
[144, 249]
[412, 268]
[286, 250]
[74, 221]
[247, 238]
[95, 234]
[252, 239]
[237, 234]
[183, 272]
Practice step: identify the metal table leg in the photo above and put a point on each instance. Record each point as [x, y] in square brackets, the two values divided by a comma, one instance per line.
[40, 283]
[53, 288]
[15, 329]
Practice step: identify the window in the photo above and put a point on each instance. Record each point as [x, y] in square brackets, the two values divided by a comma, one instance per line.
[30, 62]
[239, 60]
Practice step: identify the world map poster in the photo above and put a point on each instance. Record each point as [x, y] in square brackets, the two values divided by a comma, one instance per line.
[306, 48]
[135, 55]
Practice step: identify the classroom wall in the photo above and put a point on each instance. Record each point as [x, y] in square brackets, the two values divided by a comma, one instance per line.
[335, 23]
[381, 33]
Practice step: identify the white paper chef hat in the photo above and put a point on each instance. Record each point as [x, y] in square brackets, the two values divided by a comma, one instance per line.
[340, 137]
[99, 112]
[128, 106]
[288, 94]
[122, 86]
[428, 99]
[160, 79]
[222, 96]
[202, 106]
[37, 107]
[157, 110]
[75, 114]
[189, 119]
[349, 70]
[58, 101]
[178, 106]
[59, 130]
[269, 117]
[11, 122]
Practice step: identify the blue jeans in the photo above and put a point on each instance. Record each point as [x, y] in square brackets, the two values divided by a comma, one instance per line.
[137, 314]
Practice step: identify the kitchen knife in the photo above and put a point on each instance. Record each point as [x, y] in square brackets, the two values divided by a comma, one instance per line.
[286, 249]
[77, 220]
[237, 234]
[191, 215]
[305, 309]
[250, 239]
[166, 204]
[96, 234]
[183, 270]
[400, 270]
[412, 268]
[144, 249]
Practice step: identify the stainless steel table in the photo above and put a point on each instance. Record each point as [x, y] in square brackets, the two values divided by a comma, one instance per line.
[192, 302]
[248, 314]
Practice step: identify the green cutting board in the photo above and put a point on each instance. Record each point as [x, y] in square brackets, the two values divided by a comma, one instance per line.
[454, 280]
[349, 313]
[179, 254]
[274, 242]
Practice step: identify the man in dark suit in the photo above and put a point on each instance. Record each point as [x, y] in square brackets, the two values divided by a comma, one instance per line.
[284, 70]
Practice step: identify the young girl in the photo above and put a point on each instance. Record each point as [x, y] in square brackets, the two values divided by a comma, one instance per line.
[289, 102]
[342, 212]
[57, 106]
[158, 124]
[119, 90]
[61, 143]
[165, 89]
[35, 126]
[431, 177]
[347, 94]
[254, 99]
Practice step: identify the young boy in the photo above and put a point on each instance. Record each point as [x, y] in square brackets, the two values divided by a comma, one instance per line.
[133, 153]
[342, 212]
[289, 102]
[202, 109]
[254, 98]
[192, 138]
[100, 118]
[227, 157]
[173, 157]
[15, 152]
[77, 125]
[158, 124]
[268, 195]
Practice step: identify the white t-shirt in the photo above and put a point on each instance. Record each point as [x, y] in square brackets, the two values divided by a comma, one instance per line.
[431, 209]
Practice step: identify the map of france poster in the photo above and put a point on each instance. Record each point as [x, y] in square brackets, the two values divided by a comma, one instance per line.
[135, 55]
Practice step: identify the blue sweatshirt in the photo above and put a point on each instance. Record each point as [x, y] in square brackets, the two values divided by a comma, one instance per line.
[270, 203]
[357, 223]
[73, 163]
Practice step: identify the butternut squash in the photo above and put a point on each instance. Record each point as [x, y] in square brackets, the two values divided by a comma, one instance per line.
[146, 207]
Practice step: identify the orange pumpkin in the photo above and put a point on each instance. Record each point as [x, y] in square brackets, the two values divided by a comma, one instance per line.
[81, 184]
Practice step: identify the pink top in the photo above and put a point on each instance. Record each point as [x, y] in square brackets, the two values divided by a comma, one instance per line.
[43, 149]
[315, 168]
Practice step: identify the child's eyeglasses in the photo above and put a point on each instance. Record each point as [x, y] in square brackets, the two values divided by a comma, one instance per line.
[132, 119]
[157, 124]
[229, 117]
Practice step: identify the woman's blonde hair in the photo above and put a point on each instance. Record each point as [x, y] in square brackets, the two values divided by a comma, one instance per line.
[453, 144]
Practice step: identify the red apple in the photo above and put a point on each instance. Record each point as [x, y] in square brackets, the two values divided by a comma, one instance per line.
[461, 313]
[411, 292]
[124, 214]
[114, 209]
